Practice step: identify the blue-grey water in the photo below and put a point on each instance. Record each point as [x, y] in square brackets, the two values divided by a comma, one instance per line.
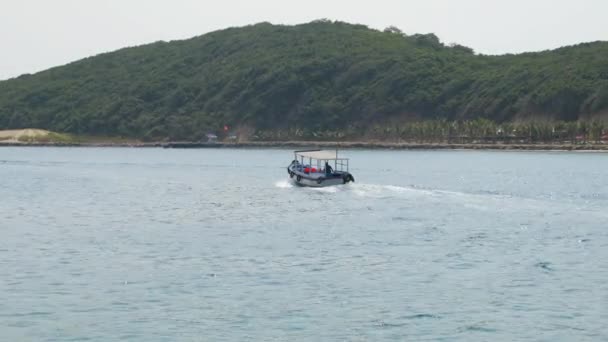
[108, 244]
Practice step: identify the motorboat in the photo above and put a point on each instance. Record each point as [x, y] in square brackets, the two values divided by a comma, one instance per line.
[319, 168]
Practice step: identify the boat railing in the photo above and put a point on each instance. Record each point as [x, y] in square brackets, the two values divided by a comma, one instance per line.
[339, 164]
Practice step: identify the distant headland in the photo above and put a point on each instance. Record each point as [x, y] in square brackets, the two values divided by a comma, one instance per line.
[320, 81]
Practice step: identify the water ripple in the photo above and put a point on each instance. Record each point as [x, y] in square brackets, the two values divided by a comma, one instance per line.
[156, 245]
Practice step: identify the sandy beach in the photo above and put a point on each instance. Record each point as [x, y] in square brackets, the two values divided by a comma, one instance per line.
[16, 136]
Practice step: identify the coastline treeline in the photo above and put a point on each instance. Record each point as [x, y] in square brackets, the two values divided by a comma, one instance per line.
[313, 79]
[457, 132]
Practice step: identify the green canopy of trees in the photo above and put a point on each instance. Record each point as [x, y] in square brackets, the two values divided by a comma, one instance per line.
[316, 77]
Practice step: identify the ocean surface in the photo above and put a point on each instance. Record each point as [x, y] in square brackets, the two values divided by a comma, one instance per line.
[106, 244]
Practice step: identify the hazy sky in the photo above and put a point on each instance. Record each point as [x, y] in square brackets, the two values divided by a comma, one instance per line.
[38, 34]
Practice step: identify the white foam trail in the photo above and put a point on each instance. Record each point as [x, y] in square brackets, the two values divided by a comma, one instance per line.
[284, 184]
[331, 189]
[476, 201]
[372, 190]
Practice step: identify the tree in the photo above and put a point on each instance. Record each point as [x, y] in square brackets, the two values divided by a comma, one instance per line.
[394, 30]
[462, 48]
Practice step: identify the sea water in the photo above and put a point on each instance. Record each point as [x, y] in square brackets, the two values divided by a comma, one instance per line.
[107, 244]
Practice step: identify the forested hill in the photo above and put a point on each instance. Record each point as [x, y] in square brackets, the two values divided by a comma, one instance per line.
[317, 76]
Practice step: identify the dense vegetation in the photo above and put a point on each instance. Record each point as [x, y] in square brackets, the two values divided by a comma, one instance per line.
[324, 78]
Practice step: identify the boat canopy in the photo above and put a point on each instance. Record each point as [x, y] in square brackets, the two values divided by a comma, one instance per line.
[319, 154]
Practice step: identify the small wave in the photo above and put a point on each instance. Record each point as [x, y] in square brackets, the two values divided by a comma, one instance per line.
[477, 328]
[383, 324]
[420, 316]
[544, 265]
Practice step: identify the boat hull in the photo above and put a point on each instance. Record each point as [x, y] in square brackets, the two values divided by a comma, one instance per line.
[319, 180]
[314, 184]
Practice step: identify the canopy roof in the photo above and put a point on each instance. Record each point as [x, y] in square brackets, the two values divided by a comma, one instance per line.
[320, 154]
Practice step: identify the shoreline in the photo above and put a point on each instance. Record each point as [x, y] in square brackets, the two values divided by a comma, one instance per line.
[326, 144]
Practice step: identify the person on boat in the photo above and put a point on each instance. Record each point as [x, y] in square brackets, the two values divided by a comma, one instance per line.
[328, 169]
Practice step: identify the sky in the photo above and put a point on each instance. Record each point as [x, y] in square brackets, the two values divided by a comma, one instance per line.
[39, 34]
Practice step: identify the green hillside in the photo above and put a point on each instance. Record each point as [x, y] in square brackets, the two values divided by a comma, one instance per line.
[312, 77]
